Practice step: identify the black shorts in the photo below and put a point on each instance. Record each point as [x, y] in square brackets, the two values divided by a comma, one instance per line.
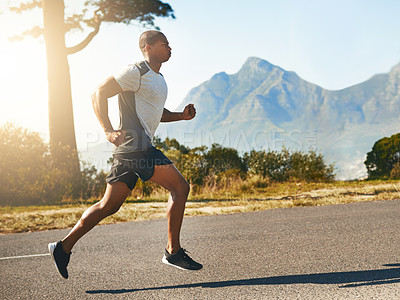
[128, 167]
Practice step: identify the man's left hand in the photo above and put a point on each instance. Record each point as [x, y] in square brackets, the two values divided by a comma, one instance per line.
[189, 112]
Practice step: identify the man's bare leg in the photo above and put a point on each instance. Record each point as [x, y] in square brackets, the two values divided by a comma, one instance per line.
[112, 200]
[170, 178]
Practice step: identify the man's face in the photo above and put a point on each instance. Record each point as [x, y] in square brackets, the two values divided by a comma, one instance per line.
[160, 50]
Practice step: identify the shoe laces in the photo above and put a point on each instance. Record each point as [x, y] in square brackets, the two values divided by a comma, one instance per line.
[184, 253]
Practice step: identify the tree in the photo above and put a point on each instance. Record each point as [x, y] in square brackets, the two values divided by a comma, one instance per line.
[383, 157]
[55, 27]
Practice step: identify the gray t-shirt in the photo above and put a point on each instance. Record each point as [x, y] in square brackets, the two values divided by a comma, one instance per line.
[141, 105]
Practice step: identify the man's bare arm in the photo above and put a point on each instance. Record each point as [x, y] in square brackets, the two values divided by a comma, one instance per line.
[107, 89]
[169, 116]
[188, 113]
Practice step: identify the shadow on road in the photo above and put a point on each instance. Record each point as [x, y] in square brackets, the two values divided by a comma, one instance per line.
[347, 279]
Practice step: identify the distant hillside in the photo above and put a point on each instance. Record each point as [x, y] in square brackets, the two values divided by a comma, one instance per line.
[263, 107]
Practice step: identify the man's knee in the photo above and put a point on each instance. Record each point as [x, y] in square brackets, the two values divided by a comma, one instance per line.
[186, 188]
[106, 207]
[182, 189]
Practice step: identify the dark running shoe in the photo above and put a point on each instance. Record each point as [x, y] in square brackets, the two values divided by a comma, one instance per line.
[61, 259]
[181, 260]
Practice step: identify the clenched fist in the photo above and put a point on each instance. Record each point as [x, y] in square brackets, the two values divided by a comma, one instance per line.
[189, 112]
[116, 137]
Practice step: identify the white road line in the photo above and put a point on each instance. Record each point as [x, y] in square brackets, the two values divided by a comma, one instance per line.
[24, 256]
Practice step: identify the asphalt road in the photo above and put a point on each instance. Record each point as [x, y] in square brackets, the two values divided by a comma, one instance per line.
[348, 251]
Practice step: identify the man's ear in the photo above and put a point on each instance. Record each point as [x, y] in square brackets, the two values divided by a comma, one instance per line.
[147, 47]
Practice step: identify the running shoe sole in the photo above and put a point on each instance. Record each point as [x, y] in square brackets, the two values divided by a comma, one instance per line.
[165, 261]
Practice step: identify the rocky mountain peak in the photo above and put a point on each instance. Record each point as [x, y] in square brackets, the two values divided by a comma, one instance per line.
[257, 65]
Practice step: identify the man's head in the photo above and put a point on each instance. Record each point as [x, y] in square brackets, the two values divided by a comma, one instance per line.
[154, 45]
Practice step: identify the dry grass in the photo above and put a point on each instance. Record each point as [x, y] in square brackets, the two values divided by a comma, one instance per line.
[236, 196]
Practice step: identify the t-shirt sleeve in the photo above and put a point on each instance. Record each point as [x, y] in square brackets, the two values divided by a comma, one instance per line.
[128, 78]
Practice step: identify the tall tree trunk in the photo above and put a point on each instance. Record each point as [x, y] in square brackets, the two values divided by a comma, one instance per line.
[61, 120]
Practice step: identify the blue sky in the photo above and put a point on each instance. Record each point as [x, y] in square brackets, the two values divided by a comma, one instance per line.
[334, 44]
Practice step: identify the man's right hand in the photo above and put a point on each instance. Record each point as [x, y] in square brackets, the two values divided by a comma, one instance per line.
[116, 137]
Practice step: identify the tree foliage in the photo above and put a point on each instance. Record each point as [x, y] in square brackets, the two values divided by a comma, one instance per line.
[383, 158]
[95, 12]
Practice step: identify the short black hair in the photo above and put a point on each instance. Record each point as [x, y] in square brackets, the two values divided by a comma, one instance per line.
[150, 37]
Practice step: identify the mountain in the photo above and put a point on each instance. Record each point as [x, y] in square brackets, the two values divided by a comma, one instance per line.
[263, 106]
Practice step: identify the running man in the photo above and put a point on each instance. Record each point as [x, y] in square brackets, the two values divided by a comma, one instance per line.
[142, 93]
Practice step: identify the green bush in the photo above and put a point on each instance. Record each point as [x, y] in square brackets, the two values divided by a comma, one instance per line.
[36, 173]
[309, 167]
[283, 166]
